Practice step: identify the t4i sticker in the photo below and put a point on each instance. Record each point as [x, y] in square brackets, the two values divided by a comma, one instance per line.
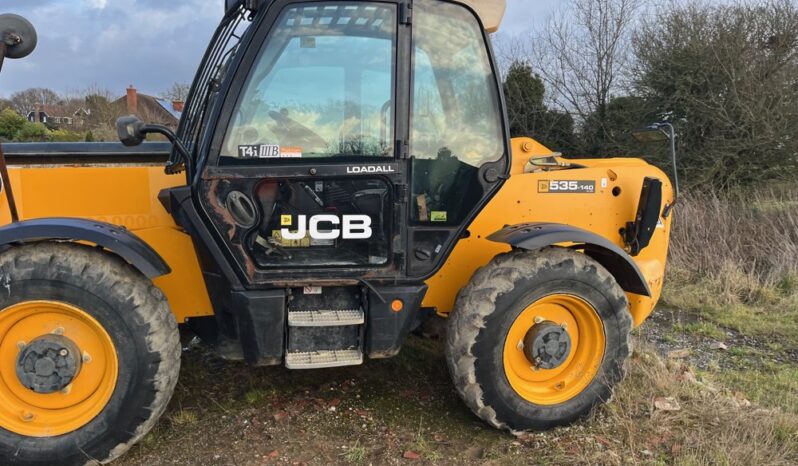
[268, 151]
[567, 187]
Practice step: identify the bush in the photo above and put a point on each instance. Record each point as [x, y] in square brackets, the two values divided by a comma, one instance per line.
[10, 124]
[725, 76]
[63, 135]
[32, 132]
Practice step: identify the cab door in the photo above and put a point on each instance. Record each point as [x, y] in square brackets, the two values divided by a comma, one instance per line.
[459, 151]
[305, 175]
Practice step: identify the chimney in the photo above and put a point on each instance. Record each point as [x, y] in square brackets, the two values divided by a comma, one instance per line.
[177, 105]
[132, 100]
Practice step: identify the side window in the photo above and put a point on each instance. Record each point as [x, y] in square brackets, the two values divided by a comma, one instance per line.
[323, 86]
[456, 123]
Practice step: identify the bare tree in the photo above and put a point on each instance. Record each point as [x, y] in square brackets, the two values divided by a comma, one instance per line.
[25, 101]
[583, 55]
[178, 91]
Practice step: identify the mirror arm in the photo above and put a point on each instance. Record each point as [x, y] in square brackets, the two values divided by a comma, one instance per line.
[676, 190]
[3, 48]
[170, 135]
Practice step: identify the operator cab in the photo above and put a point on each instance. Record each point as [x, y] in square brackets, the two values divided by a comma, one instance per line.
[337, 143]
[336, 151]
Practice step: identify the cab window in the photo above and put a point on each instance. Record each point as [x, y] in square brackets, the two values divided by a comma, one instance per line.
[456, 119]
[322, 87]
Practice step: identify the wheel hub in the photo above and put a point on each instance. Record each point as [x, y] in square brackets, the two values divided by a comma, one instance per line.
[547, 345]
[48, 364]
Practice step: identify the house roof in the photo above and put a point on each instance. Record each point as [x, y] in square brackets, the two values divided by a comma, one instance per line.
[59, 111]
[169, 106]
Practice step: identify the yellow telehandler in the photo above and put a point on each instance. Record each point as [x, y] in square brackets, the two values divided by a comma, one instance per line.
[342, 171]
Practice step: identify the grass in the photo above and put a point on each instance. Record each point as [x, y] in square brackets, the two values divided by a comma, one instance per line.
[390, 407]
[355, 454]
[734, 266]
[707, 329]
[734, 261]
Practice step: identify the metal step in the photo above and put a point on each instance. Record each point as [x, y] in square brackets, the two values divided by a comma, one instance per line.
[323, 359]
[326, 318]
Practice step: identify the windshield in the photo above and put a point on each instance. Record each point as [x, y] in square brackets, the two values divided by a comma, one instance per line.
[322, 87]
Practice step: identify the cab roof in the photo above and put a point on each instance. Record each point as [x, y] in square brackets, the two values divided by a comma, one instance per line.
[490, 11]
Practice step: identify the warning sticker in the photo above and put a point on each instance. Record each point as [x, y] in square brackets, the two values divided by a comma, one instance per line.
[567, 187]
[268, 151]
[286, 220]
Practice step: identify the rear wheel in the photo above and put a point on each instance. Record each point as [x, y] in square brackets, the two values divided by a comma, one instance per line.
[537, 339]
[89, 355]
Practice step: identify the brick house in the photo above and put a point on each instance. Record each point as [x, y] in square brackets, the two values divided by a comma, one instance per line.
[58, 115]
[150, 109]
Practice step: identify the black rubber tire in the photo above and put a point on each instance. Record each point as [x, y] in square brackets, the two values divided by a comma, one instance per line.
[486, 309]
[135, 314]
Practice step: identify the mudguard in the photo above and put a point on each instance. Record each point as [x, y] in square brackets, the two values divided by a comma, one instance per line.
[534, 236]
[116, 239]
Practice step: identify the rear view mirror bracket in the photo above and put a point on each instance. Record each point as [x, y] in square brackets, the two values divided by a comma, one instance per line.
[661, 132]
[132, 132]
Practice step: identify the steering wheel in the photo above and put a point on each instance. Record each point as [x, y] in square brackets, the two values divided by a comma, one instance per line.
[296, 132]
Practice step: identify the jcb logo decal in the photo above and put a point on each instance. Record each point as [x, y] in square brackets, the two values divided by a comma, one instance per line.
[326, 227]
[567, 186]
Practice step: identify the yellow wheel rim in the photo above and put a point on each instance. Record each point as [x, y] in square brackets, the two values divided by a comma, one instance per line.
[25, 412]
[560, 384]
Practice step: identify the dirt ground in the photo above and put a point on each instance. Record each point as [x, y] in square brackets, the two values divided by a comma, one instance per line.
[675, 407]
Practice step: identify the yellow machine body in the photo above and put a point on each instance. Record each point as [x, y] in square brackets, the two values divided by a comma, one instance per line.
[127, 195]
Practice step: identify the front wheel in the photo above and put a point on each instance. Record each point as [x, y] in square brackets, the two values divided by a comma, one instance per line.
[537, 339]
[89, 355]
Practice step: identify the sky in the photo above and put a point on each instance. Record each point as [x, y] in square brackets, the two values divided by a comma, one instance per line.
[150, 44]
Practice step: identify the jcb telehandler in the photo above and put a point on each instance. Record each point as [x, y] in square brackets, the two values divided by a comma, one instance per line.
[342, 170]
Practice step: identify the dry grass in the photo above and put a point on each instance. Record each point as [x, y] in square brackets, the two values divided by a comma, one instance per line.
[712, 425]
[391, 407]
[735, 259]
[750, 240]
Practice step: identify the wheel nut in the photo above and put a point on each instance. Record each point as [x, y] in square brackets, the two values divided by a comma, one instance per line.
[58, 331]
[21, 345]
[520, 345]
[27, 416]
[538, 320]
[64, 352]
[66, 390]
[86, 357]
[564, 326]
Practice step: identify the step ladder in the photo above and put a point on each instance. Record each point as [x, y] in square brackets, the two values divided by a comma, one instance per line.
[325, 338]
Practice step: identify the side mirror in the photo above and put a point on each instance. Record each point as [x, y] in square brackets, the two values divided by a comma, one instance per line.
[654, 133]
[17, 37]
[131, 131]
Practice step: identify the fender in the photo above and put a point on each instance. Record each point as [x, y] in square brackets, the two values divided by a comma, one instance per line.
[117, 240]
[534, 236]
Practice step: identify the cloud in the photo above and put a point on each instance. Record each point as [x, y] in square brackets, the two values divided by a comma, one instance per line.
[148, 43]
[97, 4]
[84, 43]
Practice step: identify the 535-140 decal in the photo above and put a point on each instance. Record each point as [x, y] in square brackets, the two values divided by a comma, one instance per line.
[567, 186]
